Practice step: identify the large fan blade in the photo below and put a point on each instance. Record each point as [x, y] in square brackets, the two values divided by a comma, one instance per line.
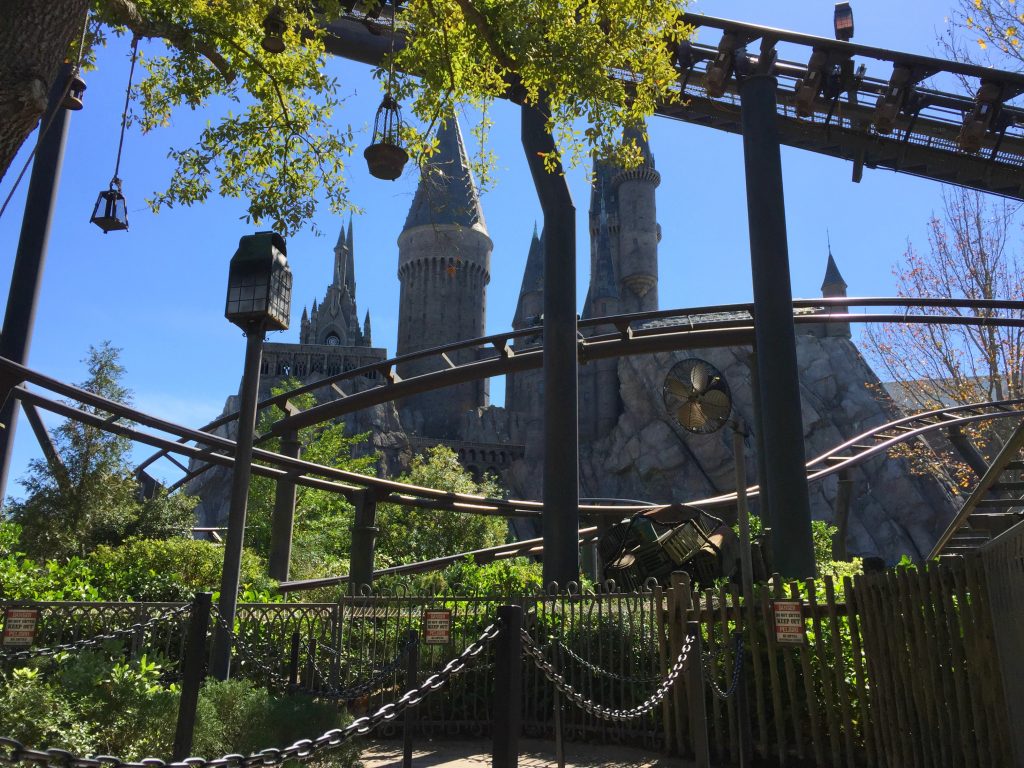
[715, 405]
[691, 416]
[699, 376]
[679, 388]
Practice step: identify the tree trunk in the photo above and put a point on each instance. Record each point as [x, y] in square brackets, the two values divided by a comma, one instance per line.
[35, 36]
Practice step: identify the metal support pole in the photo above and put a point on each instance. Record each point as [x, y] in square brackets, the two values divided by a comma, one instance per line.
[777, 370]
[283, 517]
[30, 258]
[695, 696]
[232, 571]
[560, 523]
[762, 474]
[412, 662]
[743, 516]
[193, 669]
[508, 681]
[559, 731]
[364, 540]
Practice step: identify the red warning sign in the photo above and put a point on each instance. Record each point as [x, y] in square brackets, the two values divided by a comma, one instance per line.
[20, 627]
[437, 626]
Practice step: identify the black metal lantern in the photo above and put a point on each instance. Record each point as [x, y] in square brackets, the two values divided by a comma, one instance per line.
[385, 156]
[110, 212]
[76, 90]
[260, 283]
[273, 31]
[843, 21]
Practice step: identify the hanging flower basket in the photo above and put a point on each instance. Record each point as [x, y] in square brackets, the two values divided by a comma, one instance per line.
[385, 161]
[386, 157]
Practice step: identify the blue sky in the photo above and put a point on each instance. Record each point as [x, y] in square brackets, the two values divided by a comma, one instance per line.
[157, 291]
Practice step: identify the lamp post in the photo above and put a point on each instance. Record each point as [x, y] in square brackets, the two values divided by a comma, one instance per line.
[259, 300]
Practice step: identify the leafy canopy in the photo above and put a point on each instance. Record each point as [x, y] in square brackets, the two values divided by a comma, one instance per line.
[277, 141]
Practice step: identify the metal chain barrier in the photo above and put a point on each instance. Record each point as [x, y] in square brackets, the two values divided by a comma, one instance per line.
[13, 752]
[598, 710]
[95, 640]
[363, 687]
[276, 679]
[737, 667]
[595, 669]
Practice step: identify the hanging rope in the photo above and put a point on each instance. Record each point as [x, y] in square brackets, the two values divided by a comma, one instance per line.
[124, 114]
[391, 54]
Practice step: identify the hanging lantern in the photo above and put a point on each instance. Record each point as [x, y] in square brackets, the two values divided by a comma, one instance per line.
[385, 156]
[260, 283]
[273, 31]
[73, 98]
[110, 212]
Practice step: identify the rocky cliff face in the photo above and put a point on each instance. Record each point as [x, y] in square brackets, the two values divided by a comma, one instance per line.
[648, 456]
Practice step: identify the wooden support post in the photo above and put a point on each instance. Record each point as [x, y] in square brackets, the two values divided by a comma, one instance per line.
[698, 704]
[283, 516]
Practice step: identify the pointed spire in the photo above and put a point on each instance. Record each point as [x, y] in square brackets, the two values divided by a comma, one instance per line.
[350, 263]
[367, 338]
[447, 192]
[340, 259]
[305, 317]
[533, 275]
[833, 284]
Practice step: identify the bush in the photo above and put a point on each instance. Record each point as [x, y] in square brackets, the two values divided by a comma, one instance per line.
[90, 704]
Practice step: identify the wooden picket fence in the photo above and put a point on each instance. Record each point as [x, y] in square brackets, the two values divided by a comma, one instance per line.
[898, 669]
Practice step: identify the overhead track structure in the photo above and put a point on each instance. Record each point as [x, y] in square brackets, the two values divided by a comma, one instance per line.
[828, 102]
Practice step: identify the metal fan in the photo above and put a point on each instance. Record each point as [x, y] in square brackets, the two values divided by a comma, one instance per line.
[697, 395]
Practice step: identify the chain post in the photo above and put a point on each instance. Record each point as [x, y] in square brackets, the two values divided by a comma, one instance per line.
[695, 695]
[508, 682]
[559, 731]
[412, 659]
[293, 661]
[192, 673]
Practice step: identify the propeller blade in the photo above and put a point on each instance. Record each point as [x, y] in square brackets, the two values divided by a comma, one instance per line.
[691, 416]
[699, 376]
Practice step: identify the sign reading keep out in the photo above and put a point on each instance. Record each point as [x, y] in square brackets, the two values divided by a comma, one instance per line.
[789, 621]
[437, 626]
[19, 627]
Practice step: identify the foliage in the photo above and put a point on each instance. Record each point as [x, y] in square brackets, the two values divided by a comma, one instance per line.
[323, 519]
[88, 703]
[408, 534]
[986, 31]
[92, 498]
[139, 569]
[275, 140]
[973, 253]
[515, 576]
[553, 53]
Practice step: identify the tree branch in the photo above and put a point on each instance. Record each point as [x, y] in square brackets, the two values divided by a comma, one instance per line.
[126, 13]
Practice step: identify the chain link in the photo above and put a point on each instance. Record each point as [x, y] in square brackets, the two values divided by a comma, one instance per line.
[599, 710]
[595, 669]
[276, 679]
[736, 668]
[95, 640]
[13, 751]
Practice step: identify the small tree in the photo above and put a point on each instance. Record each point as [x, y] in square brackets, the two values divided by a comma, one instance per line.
[409, 534]
[91, 498]
[987, 32]
[323, 520]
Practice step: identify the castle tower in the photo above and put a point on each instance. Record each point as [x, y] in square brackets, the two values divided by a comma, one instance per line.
[334, 321]
[834, 286]
[444, 265]
[638, 230]
[524, 390]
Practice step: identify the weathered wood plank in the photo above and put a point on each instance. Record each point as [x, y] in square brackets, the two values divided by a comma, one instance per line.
[839, 670]
[917, 674]
[868, 731]
[775, 680]
[943, 579]
[757, 648]
[820, 649]
[810, 693]
[971, 650]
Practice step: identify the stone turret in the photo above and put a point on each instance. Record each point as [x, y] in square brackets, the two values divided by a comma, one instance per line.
[638, 230]
[444, 265]
[524, 390]
[367, 336]
[833, 286]
[334, 321]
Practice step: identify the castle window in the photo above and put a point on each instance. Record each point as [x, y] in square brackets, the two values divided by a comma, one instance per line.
[333, 340]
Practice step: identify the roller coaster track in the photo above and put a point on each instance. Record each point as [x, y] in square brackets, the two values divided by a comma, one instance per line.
[841, 119]
[634, 334]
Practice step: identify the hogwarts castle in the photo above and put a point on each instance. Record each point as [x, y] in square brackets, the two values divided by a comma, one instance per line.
[630, 447]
